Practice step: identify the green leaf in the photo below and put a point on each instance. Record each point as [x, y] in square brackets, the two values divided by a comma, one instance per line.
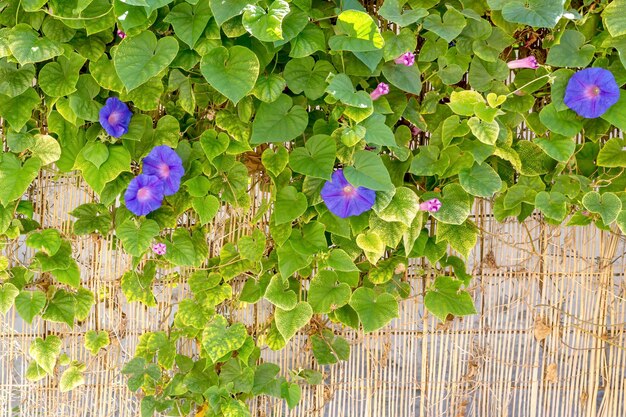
[612, 154]
[34, 372]
[19, 109]
[219, 339]
[48, 240]
[269, 87]
[316, 158]
[340, 87]
[393, 10]
[72, 377]
[358, 33]
[536, 13]
[290, 204]
[376, 132]
[141, 57]
[461, 238]
[446, 297]
[329, 348]
[189, 22]
[15, 80]
[225, 10]
[46, 148]
[206, 207]
[45, 352]
[448, 27]
[571, 51]
[607, 205]
[305, 75]
[214, 144]
[138, 287]
[30, 303]
[279, 294]
[310, 40]
[138, 371]
[15, 177]
[614, 18]
[455, 205]
[186, 250]
[91, 217]
[8, 294]
[288, 322]
[481, 180]
[279, 121]
[118, 161]
[59, 78]
[326, 293]
[368, 171]
[275, 160]
[464, 102]
[233, 71]
[375, 311]
[616, 114]
[553, 204]
[403, 77]
[565, 123]
[27, 47]
[557, 147]
[291, 393]
[94, 341]
[136, 236]
[486, 132]
[61, 308]
[403, 207]
[264, 25]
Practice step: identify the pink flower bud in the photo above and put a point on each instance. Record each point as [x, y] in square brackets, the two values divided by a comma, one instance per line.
[528, 62]
[380, 90]
[121, 34]
[407, 59]
[433, 205]
[159, 248]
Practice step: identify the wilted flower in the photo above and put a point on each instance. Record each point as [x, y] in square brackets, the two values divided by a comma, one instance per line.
[591, 92]
[433, 205]
[144, 194]
[159, 248]
[380, 90]
[345, 200]
[165, 164]
[115, 117]
[415, 130]
[121, 33]
[528, 62]
[407, 59]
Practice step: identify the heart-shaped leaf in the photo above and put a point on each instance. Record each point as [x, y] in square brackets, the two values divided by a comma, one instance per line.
[446, 298]
[607, 205]
[536, 13]
[481, 180]
[368, 171]
[136, 236]
[279, 294]
[290, 204]
[288, 322]
[139, 58]
[326, 293]
[15, 80]
[455, 205]
[279, 121]
[316, 159]
[403, 207]
[218, 338]
[72, 377]
[358, 33]
[486, 132]
[189, 21]
[8, 294]
[553, 204]
[393, 10]
[405, 78]
[308, 76]
[233, 72]
[94, 341]
[27, 47]
[275, 160]
[30, 303]
[375, 311]
[448, 27]
[15, 177]
[612, 154]
[45, 352]
[224, 10]
[340, 87]
[264, 25]
[48, 240]
[571, 51]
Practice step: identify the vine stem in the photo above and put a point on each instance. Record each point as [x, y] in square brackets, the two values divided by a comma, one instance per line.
[528, 83]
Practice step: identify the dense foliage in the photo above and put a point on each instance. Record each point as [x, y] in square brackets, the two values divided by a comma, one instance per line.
[307, 87]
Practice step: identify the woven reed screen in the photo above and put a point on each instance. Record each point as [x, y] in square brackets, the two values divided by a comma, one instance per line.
[548, 340]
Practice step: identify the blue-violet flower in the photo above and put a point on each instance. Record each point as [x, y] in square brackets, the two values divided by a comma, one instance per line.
[345, 200]
[115, 117]
[591, 92]
[165, 164]
[144, 194]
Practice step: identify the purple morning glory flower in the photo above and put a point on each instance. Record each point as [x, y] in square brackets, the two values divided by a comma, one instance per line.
[115, 117]
[144, 194]
[528, 62]
[345, 200]
[380, 90]
[407, 59]
[433, 205]
[591, 92]
[159, 248]
[165, 164]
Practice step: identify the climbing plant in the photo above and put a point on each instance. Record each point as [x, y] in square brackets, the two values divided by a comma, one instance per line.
[377, 126]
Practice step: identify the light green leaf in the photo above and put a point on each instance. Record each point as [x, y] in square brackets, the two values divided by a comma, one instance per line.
[446, 297]
[233, 71]
[26, 46]
[219, 339]
[461, 238]
[46, 148]
[94, 341]
[368, 171]
[393, 10]
[448, 27]
[19, 109]
[72, 377]
[607, 205]
[288, 322]
[186, 250]
[138, 287]
[326, 293]
[45, 352]
[455, 205]
[375, 311]
[403, 207]
[308, 76]
[224, 10]
[275, 160]
[30, 303]
[279, 121]
[616, 114]
[189, 22]
[486, 132]
[376, 131]
[206, 207]
[136, 236]
[117, 162]
[141, 57]
[264, 25]
[553, 204]
[565, 122]
[59, 78]
[536, 13]
[290, 204]
[269, 87]
[557, 147]
[48, 240]
[612, 154]
[15, 177]
[15, 80]
[358, 33]
[464, 102]
[340, 87]
[481, 180]
[571, 51]
[614, 18]
[316, 158]
[8, 294]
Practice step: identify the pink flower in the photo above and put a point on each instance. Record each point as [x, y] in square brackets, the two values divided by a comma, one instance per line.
[407, 59]
[121, 33]
[528, 62]
[159, 248]
[380, 90]
[415, 130]
[433, 205]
